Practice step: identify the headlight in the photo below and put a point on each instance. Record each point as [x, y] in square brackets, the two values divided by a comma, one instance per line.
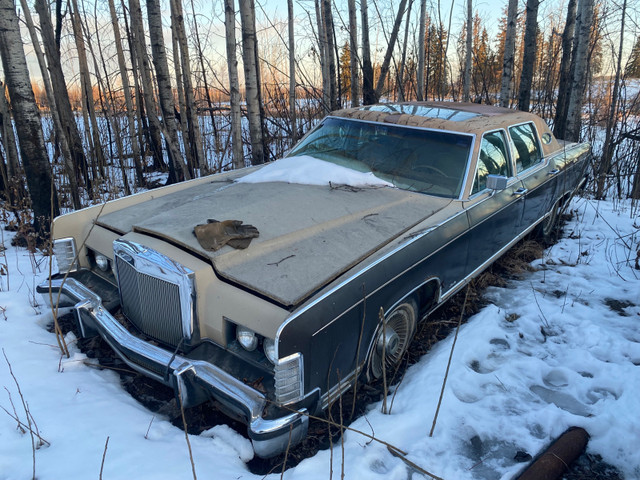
[102, 262]
[247, 338]
[269, 347]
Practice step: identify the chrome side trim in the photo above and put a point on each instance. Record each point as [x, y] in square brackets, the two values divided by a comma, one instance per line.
[493, 258]
[338, 389]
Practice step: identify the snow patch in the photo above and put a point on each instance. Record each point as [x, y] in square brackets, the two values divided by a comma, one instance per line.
[307, 170]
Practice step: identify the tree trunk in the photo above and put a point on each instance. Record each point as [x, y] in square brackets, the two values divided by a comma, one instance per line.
[178, 172]
[353, 48]
[529, 57]
[126, 87]
[181, 116]
[193, 125]
[579, 80]
[368, 92]
[401, 93]
[106, 100]
[93, 133]
[292, 74]
[609, 144]
[324, 63]
[466, 81]
[251, 75]
[8, 137]
[384, 69]
[147, 108]
[207, 93]
[330, 57]
[234, 89]
[35, 160]
[509, 54]
[560, 119]
[61, 95]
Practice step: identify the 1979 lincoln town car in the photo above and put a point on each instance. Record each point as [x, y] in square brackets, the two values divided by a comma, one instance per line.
[262, 290]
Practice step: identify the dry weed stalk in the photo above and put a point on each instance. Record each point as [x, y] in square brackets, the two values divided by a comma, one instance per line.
[186, 433]
[446, 374]
[104, 455]
[30, 423]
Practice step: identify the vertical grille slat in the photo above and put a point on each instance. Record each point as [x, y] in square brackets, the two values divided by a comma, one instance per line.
[154, 305]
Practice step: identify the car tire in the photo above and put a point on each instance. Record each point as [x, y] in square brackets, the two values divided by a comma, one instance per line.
[548, 228]
[392, 341]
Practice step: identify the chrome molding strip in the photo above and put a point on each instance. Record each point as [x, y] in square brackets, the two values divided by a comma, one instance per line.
[488, 262]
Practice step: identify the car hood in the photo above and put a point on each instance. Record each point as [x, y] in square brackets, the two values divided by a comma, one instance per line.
[309, 235]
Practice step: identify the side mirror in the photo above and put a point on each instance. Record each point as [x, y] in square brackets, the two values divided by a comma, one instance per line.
[496, 182]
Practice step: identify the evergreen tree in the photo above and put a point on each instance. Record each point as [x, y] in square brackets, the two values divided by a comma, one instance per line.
[632, 70]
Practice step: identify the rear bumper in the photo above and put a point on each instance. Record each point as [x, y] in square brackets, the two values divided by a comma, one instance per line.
[193, 380]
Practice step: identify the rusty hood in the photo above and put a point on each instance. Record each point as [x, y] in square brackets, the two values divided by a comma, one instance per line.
[309, 234]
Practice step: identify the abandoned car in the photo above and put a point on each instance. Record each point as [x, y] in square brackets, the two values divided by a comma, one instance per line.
[261, 289]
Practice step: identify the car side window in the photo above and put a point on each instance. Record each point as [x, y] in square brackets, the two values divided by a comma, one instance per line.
[493, 160]
[527, 151]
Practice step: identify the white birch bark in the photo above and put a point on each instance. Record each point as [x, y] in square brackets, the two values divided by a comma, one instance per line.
[466, 80]
[234, 86]
[27, 117]
[292, 74]
[251, 76]
[509, 54]
[579, 81]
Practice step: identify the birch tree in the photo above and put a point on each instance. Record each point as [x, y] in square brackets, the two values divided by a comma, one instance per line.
[579, 80]
[147, 107]
[612, 125]
[27, 118]
[126, 88]
[368, 91]
[529, 57]
[177, 170]
[252, 83]
[560, 119]
[466, 80]
[234, 89]
[386, 62]
[353, 49]
[292, 73]
[193, 125]
[61, 94]
[421, 51]
[509, 54]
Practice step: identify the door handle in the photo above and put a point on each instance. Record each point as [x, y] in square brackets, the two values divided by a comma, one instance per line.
[555, 171]
[519, 192]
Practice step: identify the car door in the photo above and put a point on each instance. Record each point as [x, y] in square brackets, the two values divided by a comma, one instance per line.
[537, 176]
[494, 216]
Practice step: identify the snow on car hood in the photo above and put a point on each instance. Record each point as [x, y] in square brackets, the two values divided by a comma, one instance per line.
[309, 234]
[307, 170]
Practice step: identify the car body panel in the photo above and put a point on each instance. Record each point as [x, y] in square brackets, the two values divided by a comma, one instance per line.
[329, 263]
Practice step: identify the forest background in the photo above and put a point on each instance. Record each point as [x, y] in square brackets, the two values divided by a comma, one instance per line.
[102, 99]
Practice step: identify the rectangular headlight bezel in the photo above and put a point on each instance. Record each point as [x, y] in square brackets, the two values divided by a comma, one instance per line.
[64, 249]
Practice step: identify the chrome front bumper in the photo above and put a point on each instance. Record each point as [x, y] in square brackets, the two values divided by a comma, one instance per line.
[191, 379]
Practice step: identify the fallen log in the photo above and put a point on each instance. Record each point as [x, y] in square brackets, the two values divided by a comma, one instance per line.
[555, 460]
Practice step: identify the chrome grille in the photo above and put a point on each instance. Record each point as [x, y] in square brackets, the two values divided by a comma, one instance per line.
[155, 292]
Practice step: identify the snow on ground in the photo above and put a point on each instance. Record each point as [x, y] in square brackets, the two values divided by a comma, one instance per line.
[558, 348]
[308, 170]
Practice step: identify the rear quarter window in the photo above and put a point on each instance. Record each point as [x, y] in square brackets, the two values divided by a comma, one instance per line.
[526, 147]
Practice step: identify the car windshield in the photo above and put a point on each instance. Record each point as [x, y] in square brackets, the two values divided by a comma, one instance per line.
[426, 161]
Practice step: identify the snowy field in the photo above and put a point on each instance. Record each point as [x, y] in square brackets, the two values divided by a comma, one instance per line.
[558, 348]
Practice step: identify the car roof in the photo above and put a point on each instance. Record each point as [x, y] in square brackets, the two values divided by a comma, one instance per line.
[471, 118]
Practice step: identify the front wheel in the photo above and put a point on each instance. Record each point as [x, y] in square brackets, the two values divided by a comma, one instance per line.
[392, 339]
